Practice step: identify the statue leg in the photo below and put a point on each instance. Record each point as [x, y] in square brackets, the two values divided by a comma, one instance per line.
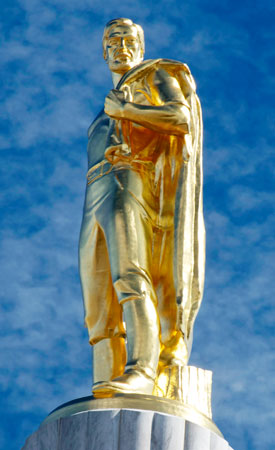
[109, 358]
[142, 350]
[129, 238]
[103, 313]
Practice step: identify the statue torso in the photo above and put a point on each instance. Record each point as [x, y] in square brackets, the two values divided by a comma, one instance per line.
[157, 157]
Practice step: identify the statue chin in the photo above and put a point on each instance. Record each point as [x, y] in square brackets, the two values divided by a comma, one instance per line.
[122, 66]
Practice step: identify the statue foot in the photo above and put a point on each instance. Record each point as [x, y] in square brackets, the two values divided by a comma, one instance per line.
[133, 381]
[174, 352]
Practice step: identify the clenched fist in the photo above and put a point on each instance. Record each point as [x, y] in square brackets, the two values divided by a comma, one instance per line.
[114, 104]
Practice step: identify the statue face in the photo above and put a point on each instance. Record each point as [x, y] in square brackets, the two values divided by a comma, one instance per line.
[123, 50]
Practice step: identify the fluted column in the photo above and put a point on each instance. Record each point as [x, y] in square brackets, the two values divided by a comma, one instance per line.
[122, 429]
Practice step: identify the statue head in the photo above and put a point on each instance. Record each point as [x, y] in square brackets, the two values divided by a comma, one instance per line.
[123, 45]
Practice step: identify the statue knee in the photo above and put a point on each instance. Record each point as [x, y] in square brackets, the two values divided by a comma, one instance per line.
[134, 286]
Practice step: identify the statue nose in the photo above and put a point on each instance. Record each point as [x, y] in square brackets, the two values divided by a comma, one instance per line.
[122, 43]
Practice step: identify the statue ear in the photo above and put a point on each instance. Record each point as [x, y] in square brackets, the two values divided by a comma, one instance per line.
[141, 52]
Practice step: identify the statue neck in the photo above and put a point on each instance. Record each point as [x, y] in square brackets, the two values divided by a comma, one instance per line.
[116, 77]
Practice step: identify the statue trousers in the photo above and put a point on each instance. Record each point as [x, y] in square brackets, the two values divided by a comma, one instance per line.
[124, 254]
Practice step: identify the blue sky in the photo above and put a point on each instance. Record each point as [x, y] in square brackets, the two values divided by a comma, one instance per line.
[53, 83]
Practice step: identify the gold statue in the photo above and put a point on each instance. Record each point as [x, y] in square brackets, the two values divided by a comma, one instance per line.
[142, 242]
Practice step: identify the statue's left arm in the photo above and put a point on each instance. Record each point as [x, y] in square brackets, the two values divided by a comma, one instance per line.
[171, 115]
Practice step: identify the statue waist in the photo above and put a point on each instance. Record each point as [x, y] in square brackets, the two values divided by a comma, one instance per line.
[104, 167]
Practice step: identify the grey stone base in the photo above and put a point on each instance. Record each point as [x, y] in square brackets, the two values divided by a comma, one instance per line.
[122, 429]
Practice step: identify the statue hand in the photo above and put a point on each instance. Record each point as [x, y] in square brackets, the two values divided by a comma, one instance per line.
[114, 104]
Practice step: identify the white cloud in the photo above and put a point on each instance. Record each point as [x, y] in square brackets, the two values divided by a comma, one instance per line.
[245, 199]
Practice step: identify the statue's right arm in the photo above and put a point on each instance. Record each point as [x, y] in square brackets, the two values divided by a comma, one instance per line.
[171, 115]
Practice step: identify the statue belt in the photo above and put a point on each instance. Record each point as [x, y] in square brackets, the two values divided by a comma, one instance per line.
[98, 170]
[104, 167]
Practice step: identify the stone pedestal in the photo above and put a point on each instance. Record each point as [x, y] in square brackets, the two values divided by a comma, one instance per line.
[76, 427]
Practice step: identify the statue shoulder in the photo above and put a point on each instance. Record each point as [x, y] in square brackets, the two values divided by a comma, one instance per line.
[171, 64]
[177, 69]
[180, 71]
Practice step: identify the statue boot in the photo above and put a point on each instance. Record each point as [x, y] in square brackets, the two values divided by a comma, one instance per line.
[143, 347]
[109, 359]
